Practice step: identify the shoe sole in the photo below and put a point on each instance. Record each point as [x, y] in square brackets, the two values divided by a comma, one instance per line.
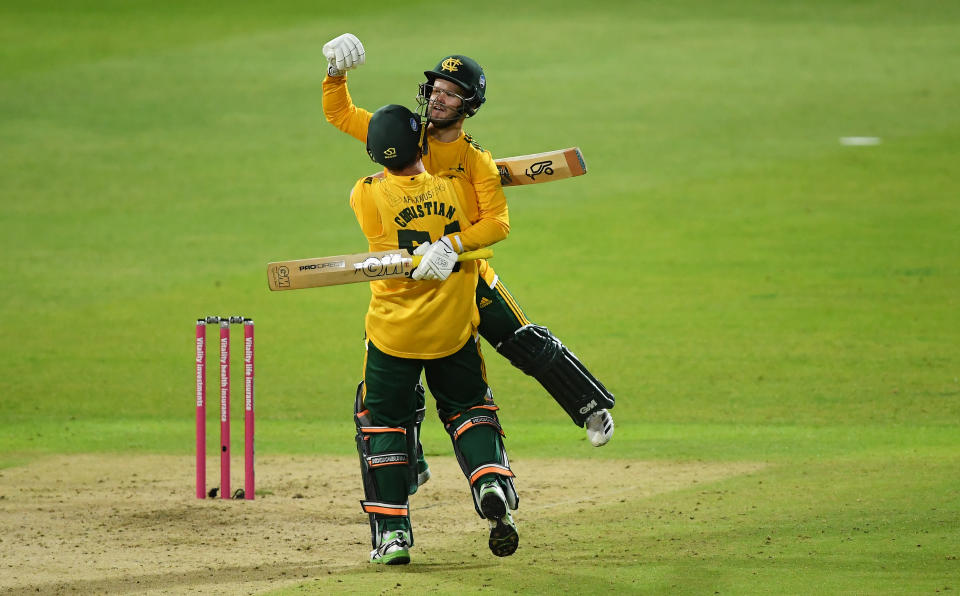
[504, 538]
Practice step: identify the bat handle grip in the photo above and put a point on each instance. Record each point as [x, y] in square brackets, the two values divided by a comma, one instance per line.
[470, 255]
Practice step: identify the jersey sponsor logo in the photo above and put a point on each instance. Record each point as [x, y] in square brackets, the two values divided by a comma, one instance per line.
[485, 302]
[451, 64]
[408, 214]
[427, 195]
[540, 167]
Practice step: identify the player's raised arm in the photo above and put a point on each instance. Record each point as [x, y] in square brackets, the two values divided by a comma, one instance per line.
[343, 53]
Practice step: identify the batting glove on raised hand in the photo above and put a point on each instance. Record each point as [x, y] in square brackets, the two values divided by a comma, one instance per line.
[437, 262]
[343, 53]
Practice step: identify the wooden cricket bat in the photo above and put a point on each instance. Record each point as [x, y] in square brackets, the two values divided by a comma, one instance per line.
[541, 167]
[348, 269]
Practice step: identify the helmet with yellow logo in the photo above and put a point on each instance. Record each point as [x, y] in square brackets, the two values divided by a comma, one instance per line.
[464, 72]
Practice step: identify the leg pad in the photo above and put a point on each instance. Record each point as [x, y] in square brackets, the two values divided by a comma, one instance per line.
[538, 353]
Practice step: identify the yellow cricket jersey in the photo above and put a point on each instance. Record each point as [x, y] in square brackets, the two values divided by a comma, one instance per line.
[482, 196]
[408, 318]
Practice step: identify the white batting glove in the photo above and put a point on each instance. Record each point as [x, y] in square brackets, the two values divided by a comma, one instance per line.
[343, 53]
[437, 262]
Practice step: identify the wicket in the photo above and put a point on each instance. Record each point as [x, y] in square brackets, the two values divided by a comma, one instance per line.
[201, 365]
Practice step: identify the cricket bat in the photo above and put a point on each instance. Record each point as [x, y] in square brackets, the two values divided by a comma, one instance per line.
[541, 167]
[348, 269]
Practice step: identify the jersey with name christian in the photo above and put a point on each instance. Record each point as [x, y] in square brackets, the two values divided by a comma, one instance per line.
[408, 318]
[463, 158]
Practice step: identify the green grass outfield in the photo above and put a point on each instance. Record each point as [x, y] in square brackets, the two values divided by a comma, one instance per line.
[751, 289]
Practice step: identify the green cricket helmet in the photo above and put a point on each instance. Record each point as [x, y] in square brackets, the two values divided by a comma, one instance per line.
[394, 136]
[464, 72]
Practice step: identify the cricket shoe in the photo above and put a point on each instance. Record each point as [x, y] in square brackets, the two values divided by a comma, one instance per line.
[504, 538]
[600, 428]
[423, 474]
[394, 549]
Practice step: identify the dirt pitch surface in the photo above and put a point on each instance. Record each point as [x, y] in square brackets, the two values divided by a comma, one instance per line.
[98, 524]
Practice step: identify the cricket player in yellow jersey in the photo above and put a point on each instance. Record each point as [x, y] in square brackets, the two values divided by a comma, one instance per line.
[454, 90]
[427, 325]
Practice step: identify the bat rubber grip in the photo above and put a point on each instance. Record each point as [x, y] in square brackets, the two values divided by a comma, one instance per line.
[470, 255]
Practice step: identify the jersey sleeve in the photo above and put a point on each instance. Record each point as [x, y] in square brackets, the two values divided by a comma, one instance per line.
[365, 208]
[339, 109]
[493, 224]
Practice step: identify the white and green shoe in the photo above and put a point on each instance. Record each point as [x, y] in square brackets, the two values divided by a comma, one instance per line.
[394, 549]
[504, 538]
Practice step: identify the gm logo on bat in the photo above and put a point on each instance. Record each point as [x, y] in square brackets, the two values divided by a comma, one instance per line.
[374, 267]
[282, 275]
[540, 167]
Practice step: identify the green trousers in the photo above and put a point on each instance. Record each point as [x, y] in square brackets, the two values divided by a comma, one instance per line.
[457, 382]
